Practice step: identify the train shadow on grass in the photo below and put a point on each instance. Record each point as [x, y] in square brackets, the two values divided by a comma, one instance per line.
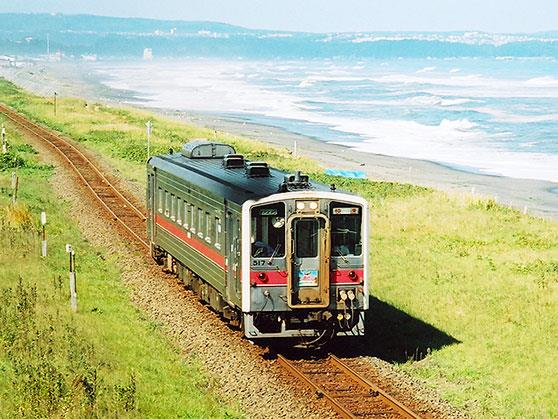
[393, 335]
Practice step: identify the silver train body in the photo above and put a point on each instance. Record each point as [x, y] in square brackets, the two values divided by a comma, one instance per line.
[276, 254]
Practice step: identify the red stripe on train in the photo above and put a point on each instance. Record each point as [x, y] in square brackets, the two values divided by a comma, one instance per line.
[279, 278]
[211, 254]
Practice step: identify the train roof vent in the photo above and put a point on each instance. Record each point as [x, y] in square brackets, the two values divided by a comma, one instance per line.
[296, 182]
[233, 161]
[203, 149]
[257, 169]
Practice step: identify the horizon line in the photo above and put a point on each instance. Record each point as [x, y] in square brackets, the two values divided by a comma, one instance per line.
[54, 14]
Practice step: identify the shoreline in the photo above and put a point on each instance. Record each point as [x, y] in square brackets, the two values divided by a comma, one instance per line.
[536, 197]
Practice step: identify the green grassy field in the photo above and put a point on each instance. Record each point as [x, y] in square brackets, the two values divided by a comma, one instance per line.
[466, 290]
[106, 360]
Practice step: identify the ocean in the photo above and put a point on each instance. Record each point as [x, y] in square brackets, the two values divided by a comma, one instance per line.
[470, 101]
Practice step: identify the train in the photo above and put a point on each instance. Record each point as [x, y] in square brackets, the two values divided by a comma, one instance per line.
[276, 254]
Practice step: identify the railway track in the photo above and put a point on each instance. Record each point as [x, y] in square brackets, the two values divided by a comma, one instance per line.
[351, 395]
[109, 197]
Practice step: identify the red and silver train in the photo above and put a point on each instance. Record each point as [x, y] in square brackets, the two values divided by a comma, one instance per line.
[276, 254]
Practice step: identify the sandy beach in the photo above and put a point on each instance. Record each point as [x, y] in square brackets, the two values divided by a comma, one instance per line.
[536, 197]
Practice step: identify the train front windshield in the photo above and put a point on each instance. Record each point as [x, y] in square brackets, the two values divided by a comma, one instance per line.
[346, 223]
[268, 230]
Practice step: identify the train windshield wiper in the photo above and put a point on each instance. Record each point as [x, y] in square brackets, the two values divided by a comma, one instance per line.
[342, 255]
[270, 261]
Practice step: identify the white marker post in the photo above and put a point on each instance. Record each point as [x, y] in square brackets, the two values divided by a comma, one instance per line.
[73, 285]
[43, 234]
[4, 144]
[295, 151]
[15, 186]
[149, 126]
[55, 94]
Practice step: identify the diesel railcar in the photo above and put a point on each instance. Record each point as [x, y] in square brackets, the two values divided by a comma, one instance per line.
[278, 255]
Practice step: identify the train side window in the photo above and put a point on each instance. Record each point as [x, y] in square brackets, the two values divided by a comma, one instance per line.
[178, 211]
[346, 227]
[173, 207]
[208, 228]
[217, 232]
[186, 215]
[268, 230]
[167, 204]
[160, 202]
[192, 218]
[200, 223]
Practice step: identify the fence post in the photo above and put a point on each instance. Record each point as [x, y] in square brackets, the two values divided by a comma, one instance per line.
[15, 185]
[43, 234]
[149, 128]
[73, 284]
[4, 143]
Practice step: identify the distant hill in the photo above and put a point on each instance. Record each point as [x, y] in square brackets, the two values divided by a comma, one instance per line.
[42, 23]
[25, 35]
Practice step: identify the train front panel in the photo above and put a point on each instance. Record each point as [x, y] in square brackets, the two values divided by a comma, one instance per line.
[305, 265]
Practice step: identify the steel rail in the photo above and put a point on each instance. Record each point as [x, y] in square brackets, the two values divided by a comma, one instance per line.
[43, 134]
[379, 395]
[403, 410]
[343, 412]
[13, 115]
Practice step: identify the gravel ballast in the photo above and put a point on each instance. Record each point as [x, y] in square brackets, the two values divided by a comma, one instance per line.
[238, 371]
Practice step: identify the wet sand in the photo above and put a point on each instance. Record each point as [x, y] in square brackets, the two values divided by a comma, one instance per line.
[537, 197]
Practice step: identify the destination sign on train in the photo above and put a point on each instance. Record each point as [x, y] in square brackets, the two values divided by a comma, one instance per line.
[345, 211]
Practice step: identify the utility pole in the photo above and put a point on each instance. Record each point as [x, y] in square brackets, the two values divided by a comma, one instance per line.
[149, 126]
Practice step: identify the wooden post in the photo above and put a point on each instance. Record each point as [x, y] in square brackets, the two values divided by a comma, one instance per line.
[43, 234]
[15, 186]
[149, 126]
[73, 284]
[4, 143]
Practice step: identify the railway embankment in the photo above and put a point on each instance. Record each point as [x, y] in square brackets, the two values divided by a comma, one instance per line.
[88, 363]
[464, 290]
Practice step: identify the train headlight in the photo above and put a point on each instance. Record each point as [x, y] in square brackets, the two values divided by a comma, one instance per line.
[343, 295]
[307, 206]
[262, 277]
[351, 295]
[340, 316]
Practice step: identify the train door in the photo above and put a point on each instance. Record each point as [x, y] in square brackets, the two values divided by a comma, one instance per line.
[232, 241]
[308, 256]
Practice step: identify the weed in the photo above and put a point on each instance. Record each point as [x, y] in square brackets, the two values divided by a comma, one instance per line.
[11, 160]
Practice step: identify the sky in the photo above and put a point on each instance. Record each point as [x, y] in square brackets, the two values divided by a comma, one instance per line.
[323, 15]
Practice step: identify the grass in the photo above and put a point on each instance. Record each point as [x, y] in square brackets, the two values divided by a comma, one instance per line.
[483, 274]
[106, 360]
